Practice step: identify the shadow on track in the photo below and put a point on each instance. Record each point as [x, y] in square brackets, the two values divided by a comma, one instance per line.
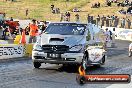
[70, 68]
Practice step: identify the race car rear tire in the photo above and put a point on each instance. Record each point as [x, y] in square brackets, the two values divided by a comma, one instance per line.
[36, 64]
[80, 79]
[103, 60]
[102, 63]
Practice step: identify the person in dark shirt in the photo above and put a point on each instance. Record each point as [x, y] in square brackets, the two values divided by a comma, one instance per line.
[52, 7]
[68, 15]
[11, 19]
[108, 3]
[26, 12]
[98, 20]
[96, 5]
[129, 23]
[5, 24]
[77, 18]
[5, 30]
[44, 26]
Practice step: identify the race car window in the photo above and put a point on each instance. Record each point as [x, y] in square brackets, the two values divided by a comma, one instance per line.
[66, 29]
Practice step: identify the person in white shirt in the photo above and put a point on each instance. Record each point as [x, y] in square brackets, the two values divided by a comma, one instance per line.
[107, 37]
[107, 34]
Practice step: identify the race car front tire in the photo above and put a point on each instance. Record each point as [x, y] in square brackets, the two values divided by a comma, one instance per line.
[36, 64]
[85, 60]
[130, 53]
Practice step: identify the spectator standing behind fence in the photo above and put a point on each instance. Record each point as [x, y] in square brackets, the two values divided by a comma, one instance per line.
[33, 32]
[68, 16]
[112, 20]
[123, 22]
[61, 17]
[116, 21]
[77, 18]
[129, 23]
[91, 19]
[102, 20]
[88, 18]
[26, 12]
[107, 21]
[98, 20]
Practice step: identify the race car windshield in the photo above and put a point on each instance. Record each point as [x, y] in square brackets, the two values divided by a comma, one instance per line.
[65, 29]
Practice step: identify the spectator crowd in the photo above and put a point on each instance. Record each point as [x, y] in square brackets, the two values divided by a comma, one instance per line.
[110, 21]
[11, 28]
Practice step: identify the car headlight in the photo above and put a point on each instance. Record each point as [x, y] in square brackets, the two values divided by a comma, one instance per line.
[76, 48]
[37, 47]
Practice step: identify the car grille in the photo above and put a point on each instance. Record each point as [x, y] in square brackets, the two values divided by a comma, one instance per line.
[59, 49]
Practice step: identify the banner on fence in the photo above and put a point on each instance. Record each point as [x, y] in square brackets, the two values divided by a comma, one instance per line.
[11, 51]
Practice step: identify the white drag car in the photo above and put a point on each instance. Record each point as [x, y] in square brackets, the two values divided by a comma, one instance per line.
[66, 43]
[61, 43]
[130, 50]
[95, 56]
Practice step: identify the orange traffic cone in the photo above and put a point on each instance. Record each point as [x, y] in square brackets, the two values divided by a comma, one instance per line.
[23, 38]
